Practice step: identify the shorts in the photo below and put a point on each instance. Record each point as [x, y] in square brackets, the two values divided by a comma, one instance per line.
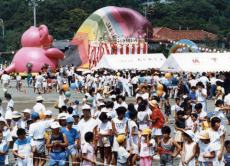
[132, 145]
[115, 145]
[104, 142]
[166, 160]
[8, 115]
[71, 150]
[156, 132]
[205, 163]
[39, 147]
[24, 162]
[38, 85]
[57, 158]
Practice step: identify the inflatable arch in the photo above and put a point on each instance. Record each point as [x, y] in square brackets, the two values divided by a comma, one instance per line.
[189, 46]
[107, 24]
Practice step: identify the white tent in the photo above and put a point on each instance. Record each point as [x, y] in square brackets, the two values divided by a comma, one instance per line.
[136, 61]
[197, 62]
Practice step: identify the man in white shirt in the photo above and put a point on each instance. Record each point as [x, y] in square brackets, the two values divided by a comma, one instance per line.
[5, 80]
[37, 132]
[38, 84]
[87, 124]
[204, 79]
[39, 107]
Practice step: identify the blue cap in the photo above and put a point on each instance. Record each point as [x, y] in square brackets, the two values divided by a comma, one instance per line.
[34, 115]
[70, 119]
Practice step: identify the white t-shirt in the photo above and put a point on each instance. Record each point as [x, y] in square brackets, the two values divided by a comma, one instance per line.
[227, 99]
[122, 155]
[86, 126]
[39, 79]
[143, 119]
[120, 125]
[123, 104]
[5, 78]
[146, 150]
[134, 80]
[215, 135]
[204, 80]
[37, 129]
[145, 96]
[175, 108]
[104, 128]
[23, 147]
[88, 149]
[193, 82]
[39, 108]
[206, 148]
[202, 114]
[213, 81]
[200, 97]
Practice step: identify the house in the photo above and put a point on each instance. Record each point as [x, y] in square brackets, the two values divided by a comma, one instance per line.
[163, 34]
[167, 36]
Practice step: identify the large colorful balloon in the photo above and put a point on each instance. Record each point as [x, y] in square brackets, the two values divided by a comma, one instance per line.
[108, 23]
[35, 52]
[184, 45]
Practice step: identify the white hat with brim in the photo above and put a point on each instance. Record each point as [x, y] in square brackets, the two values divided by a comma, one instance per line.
[86, 107]
[204, 135]
[62, 116]
[190, 133]
[101, 104]
[55, 125]
[113, 97]
[16, 114]
[27, 111]
[153, 103]
[39, 98]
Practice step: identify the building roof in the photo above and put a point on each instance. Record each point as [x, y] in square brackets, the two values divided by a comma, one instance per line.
[167, 34]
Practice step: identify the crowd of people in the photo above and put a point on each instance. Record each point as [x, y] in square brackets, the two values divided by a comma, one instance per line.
[124, 118]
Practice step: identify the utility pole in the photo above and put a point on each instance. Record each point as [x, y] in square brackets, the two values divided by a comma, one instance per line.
[34, 4]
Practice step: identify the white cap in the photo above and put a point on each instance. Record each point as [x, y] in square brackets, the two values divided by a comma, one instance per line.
[85, 107]
[62, 116]
[113, 97]
[39, 98]
[16, 114]
[27, 111]
[48, 112]
[55, 125]
[100, 104]
[2, 120]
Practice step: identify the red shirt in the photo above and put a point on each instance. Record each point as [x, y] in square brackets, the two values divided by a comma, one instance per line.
[158, 117]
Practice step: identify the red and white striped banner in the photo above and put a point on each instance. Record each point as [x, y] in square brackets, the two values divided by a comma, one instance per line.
[98, 49]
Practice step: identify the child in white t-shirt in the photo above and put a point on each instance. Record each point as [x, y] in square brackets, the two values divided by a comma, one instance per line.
[146, 145]
[132, 143]
[142, 116]
[23, 149]
[104, 133]
[122, 154]
[207, 150]
[88, 154]
[3, 149]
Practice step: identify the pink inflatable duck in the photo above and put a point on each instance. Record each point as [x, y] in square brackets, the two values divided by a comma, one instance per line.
[35, 52]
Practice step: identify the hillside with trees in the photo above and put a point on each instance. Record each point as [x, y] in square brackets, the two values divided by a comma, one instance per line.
[63, 17]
